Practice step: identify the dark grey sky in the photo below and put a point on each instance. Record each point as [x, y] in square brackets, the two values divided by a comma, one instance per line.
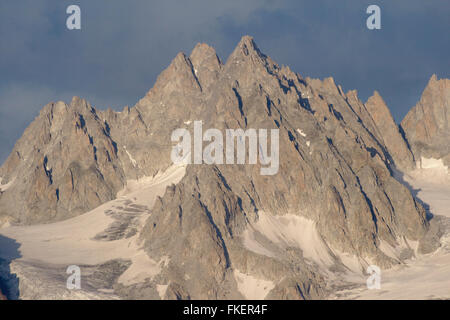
[123, 46]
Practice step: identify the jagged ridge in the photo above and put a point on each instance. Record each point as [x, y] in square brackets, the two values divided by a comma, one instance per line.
[335, 170]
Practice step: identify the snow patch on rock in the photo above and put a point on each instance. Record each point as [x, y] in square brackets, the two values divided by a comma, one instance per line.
[146, 184]
[133, 161]
[396, 252]
[162, 289]
[431, 180]
[301, 132]
[288, 231]
[6, 186]
[252, 288]
[431, 163]
[141, 269]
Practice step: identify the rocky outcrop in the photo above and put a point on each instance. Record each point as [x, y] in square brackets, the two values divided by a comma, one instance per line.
[334, 179]
[427, 125]
[389, 131]
[333, 170]
[64, 164]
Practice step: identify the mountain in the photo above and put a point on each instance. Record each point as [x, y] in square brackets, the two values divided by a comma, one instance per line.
[64, 164]
[427, 125]
[390, 132]
[224, 230]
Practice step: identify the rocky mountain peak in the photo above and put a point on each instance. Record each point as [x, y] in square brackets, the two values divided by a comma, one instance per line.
[179, 77]
[427, 125]
[248, 54]
[203, 52]
[389, 131]
[206, 64]
[246, 47]
[334, 179]
[437, 89]
[80, 104]
[433, 79]
[376, 98]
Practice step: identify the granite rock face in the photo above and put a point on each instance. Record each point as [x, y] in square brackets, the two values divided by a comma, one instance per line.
[427, 125]
[334, 180]
[64, 164]
[390, 132]
[333, 170]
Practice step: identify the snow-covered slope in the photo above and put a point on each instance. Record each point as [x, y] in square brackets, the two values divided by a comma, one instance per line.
[91, 239]
[426, 276]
